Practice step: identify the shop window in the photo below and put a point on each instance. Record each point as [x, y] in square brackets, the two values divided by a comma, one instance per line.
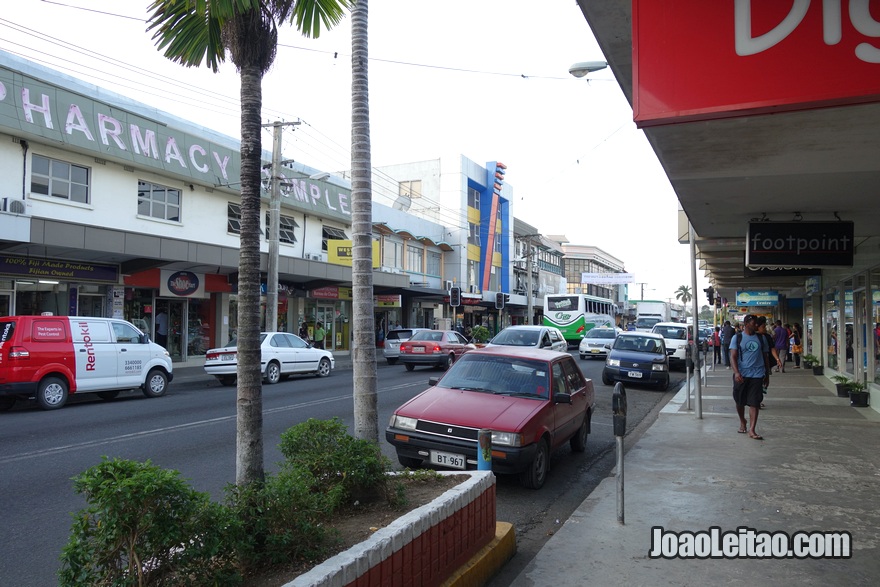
[331, 233]
[59, 179]
[158, 201]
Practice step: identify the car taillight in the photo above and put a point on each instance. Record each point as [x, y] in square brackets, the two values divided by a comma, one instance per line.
[437, 349]
[18, 352]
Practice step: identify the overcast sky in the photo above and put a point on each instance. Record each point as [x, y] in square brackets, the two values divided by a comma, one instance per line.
[484, 78]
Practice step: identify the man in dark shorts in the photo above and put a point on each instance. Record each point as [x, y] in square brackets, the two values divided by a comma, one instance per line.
[749, 364]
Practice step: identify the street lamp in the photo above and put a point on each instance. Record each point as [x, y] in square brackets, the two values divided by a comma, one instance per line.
[583, 68]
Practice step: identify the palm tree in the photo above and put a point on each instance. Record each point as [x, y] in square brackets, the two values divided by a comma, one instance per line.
[366, 417]
[192, 32]
[683, 293]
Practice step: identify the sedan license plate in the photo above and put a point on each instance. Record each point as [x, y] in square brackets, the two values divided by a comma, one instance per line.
[445, 459]
[418, 349]
[634, 374]
[227, 357]
[595, 350]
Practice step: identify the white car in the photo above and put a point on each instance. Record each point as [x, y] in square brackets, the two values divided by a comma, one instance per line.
[391, 349]
[597, 342]
[542, 337]
[281, 354]
[675, 335]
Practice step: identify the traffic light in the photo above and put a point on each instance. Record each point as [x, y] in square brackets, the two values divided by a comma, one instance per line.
[710, 295]
[455, 297]
[499, 300]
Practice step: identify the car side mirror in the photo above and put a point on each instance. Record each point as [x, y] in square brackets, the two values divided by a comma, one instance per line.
[433, 381]
[562, 398]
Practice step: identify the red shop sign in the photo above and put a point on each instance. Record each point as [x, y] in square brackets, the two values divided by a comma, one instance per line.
[703, 59]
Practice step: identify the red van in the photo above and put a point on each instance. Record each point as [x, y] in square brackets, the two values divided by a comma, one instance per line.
[52, 357]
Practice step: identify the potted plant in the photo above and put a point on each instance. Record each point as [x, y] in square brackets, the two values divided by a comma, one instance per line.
[809, 361]
[843, 385]
[480, 334]
[858, 394]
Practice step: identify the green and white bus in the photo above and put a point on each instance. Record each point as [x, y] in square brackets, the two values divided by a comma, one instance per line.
[577, 314]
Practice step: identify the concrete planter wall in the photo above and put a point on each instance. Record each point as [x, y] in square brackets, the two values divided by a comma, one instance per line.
[424, 547]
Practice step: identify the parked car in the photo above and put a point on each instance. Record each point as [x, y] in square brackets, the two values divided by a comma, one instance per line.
[543, 337]
[52, 357]
[638, 357]
[438, 348]
[676, 337]
[532, 400]
[281, 354]
[391, 350]
[596, 342]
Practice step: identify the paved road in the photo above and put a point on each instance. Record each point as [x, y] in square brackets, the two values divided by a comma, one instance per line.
[192, 430]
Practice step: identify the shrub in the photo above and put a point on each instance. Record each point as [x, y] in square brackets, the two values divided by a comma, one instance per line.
[346, 468]
[144, 526]
[480, 334]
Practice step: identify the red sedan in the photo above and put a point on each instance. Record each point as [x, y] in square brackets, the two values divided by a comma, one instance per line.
[437, 348]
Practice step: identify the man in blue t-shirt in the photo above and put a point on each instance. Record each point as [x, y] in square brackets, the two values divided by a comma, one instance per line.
[749, 360]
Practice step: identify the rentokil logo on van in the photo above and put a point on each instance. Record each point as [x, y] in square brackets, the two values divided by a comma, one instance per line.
[87, 342]
[183, 283]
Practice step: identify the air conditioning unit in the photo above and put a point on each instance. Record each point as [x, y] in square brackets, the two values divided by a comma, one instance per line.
[13, 205]
[449, 284]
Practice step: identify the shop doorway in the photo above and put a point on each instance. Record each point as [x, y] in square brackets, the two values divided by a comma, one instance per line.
[326, 315]
[90, 305]
[174, 321]
[5, 303]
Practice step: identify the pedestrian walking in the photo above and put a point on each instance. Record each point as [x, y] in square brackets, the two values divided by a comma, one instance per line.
[727, 333]
[796, 344]
[748, 358]
[780, 337]
[320, 333]
[715, 342]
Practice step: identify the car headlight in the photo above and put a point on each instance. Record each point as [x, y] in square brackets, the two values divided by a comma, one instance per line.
[658, 367]
[506, 438]
[613, 362]
[403, 422]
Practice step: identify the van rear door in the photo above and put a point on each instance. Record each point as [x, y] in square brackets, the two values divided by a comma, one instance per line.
[95, 353]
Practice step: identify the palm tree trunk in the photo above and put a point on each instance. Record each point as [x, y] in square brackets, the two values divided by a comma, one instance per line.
[366, 419]
[249, 402]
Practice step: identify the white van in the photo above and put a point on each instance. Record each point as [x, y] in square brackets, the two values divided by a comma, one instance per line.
[52, 357]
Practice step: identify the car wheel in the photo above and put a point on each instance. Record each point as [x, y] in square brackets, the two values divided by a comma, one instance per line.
[409, 462]
[6, 403]
[536, 474]
[324, 368]
[157, 383]
[664, 385]
[392, 361]
[52, 393]
[108, 395]
[578, 442]
[273, 373]
[448, 363]
[227, 380]
[606, 380]
[583, 357]
[409, 366]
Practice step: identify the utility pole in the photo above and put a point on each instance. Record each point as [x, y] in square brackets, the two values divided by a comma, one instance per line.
[274, 228]
[643, 284]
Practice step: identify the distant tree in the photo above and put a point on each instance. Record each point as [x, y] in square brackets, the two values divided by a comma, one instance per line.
[683, 293]
[192, 32]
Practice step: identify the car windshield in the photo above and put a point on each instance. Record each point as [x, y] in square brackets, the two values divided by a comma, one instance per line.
[644, 344]
[672, 332]
[646, 322]
[600, 333]
[399, 335]
[517, 337]
[499, 375]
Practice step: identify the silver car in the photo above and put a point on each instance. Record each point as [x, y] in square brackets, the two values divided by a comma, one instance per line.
[542, 337]
[391, 350]
[597, 342]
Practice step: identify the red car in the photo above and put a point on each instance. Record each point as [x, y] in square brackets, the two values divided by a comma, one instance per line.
[533, 401]
[437, 348]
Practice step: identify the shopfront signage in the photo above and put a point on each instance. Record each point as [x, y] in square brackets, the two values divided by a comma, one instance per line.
[800, 244]
[37, 268]
[40, 110]
[182, 284]
[607, 278]
[339, 252]
[699, 60]
[331, 292]
[387, 301]
[757, 298]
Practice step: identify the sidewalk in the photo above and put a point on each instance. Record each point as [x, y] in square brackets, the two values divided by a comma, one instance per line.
[816, 470]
